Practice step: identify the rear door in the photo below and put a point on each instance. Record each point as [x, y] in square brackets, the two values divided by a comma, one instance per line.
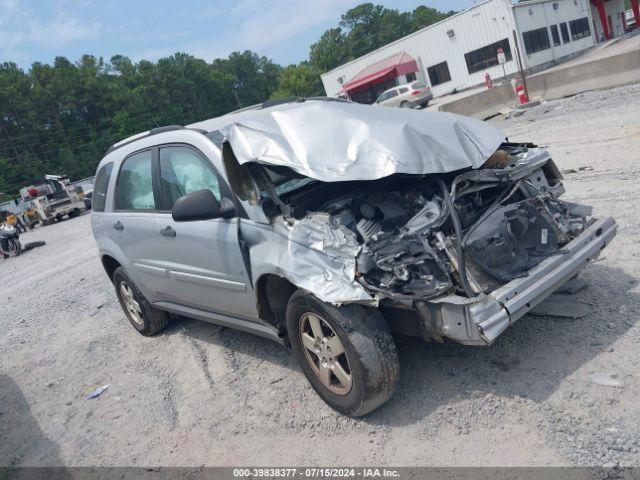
[403, 96]
[205, 264]
[133, 224]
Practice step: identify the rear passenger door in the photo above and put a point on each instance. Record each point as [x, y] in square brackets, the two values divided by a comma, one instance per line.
[133, 223]
[203, 259]
[403, 96]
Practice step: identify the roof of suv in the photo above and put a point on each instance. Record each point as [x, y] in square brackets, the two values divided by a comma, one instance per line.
[212, 124]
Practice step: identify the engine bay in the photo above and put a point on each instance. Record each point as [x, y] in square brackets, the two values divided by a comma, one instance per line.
[464, 232]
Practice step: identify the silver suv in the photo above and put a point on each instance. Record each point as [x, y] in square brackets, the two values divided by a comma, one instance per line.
[410, 95]
[328, 225]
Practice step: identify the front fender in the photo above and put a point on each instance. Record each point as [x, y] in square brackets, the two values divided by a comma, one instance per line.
[318, 264]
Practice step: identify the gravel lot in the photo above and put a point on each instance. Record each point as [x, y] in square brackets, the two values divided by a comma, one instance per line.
[200, 394]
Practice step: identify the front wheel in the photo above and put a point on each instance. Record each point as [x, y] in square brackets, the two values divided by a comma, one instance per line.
[347, 353]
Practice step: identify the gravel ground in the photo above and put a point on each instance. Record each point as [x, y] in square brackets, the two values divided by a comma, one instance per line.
[200, 394]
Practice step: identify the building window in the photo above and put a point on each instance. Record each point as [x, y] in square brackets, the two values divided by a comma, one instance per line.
[439, 74]
[536, 40]
[564, 30]
[486, 57]
[555, 35]
[410, 77]
[580, 28]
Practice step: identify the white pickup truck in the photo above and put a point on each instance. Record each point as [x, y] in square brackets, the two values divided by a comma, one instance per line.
[53, 199]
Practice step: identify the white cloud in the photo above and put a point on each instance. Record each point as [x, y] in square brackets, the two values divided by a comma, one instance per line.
[265, 24]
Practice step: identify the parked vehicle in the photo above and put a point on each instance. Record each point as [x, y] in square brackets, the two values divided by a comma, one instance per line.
[328, 225]
[409, 95]
[10, 245]
[53, 199]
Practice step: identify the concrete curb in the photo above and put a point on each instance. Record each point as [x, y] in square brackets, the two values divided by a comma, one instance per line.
[599, 74]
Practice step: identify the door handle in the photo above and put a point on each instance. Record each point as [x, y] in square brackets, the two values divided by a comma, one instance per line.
[167, 232]
[118, 226]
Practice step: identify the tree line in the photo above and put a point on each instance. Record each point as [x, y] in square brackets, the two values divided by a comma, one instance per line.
[61, 118]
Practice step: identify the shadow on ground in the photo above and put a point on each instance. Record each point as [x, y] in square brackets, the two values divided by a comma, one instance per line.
[22, 441]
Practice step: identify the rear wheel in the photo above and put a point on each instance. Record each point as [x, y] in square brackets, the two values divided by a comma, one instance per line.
[74, 213]
[346, 353]
[404, 104]
[143, 317]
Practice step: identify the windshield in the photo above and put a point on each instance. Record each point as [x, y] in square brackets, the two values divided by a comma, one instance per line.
[293, 184]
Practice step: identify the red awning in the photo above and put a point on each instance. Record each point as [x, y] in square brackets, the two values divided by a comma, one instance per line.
[398, 64]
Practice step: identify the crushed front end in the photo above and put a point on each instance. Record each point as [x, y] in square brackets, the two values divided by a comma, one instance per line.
[465, 253]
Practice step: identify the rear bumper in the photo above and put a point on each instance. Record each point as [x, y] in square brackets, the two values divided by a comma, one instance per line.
[480, 320]
[423, 100]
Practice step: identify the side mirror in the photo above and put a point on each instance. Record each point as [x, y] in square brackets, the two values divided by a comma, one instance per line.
[202, 205]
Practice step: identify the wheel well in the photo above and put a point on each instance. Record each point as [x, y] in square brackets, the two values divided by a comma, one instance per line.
[110, 264]
[273, 293]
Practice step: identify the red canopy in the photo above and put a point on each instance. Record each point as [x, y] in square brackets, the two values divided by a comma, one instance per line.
[398, 64]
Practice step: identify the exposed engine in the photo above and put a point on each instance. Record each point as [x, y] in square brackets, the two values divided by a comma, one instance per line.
[466, 233]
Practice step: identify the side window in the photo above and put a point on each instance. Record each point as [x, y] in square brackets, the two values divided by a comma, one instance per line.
[383, 97]
[393, 93]
[134, 189]
[403, 90]
[183, 171]
[100, 187]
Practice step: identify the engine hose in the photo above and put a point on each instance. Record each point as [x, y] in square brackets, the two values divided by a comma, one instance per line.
[462, 267]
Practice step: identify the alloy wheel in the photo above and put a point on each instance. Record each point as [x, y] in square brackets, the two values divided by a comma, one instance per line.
[130, 303]
[325, 353]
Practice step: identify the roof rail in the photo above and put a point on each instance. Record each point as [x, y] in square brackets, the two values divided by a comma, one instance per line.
[153, 131]
[280, 101]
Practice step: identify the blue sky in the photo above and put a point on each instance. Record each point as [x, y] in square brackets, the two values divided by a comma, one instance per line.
[39, 30]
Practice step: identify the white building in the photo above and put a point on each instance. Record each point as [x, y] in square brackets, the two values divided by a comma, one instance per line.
[459, 51]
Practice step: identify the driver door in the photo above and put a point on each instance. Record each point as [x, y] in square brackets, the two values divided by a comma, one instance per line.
[205, 266]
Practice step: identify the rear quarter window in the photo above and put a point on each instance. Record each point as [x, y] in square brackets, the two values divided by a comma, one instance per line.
[100, 187]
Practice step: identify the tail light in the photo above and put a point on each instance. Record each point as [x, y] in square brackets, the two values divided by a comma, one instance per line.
[416, 92]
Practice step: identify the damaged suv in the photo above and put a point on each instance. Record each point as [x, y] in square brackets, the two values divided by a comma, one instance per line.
[328, 225]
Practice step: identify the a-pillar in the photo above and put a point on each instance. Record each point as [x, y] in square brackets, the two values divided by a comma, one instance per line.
[636, 12]
[603, 18]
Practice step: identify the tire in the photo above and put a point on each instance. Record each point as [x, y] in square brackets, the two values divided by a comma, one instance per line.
[31, 245]
[149, 320]
[370, 355]
[404, 104]
[74, 213]
[15, 247]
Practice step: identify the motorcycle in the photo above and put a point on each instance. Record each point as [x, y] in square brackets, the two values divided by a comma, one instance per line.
[10, 245]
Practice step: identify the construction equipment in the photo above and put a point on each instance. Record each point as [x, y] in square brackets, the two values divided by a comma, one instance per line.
[51, 200]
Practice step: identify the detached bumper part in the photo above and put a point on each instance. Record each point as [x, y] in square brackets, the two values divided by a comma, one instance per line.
[480, 320]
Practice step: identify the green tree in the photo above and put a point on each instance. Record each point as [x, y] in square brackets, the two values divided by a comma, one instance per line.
[301, 80]
[330, 50]
[254, 78]
[367, 27]
[423, 16]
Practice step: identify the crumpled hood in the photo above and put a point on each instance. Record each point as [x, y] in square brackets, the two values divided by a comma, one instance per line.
[338, 141]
